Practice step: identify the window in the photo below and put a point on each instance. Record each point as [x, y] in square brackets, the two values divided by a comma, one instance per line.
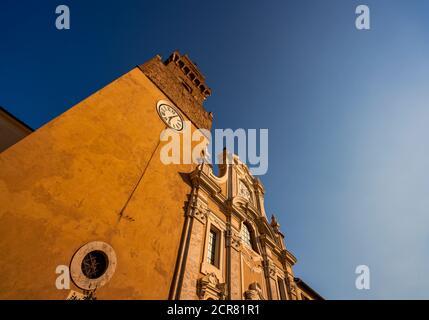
[212, 260]
[245, 236]
[95, 264]
[186, 86]
[281, 289]
[212, 248]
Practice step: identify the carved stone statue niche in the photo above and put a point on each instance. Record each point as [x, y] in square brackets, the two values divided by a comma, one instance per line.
[254, 292]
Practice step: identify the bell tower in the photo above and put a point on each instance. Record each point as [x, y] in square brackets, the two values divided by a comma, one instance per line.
[181, 81]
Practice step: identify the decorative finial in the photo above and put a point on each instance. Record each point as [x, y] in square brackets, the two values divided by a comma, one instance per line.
[275, 224]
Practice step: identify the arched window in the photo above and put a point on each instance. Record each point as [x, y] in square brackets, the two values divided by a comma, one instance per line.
[245, 236]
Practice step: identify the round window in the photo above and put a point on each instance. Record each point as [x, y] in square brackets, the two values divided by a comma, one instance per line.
[93, 265]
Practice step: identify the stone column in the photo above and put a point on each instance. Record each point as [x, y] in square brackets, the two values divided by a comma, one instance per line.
[189, 285]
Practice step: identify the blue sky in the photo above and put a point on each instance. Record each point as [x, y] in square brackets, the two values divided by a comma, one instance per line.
[347, 111]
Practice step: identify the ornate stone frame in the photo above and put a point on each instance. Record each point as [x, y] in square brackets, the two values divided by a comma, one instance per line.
[207, 268]
[76, 273]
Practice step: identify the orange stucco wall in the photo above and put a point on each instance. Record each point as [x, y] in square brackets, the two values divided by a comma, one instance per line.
[66, 184]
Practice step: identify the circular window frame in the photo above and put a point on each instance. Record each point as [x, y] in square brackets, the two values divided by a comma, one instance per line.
[77, 275]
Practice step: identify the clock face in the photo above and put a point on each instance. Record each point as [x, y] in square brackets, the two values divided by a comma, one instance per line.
[170, 116]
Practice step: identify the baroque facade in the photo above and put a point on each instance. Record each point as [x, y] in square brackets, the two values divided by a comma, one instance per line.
[234, 252]
[86, 198]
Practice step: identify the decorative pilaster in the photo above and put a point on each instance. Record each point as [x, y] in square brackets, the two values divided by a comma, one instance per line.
[233, 244]
[270, 274]
[200, 210]
[197, 215]
[292, 287]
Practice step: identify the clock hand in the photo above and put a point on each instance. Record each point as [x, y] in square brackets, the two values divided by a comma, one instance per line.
[169, 119]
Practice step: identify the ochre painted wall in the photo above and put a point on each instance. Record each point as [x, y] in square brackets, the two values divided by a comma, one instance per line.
[66, 184]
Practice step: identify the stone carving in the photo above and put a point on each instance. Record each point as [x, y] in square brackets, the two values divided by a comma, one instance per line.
[244, 191]
[254, 292]
[291, 286]
[200, 211]
[210, 287]
[233, 239]
[274, 224]
[270, 269]
[205, 156]
[222, 289]
[283, 256]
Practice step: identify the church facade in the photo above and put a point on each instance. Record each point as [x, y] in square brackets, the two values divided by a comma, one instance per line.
[89, 211]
